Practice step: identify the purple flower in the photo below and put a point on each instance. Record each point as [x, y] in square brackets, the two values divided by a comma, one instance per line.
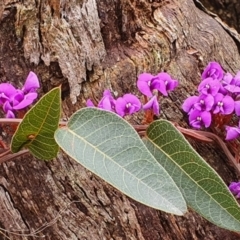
[232, 84]
[232, 132]
[15, 99]
[234, 187]
[107, 102]
[204, 103]
[223, 104]
[199, 119]
[213, 70]
[162, 82]
[153, 104]
[128, 104]
[209, 86]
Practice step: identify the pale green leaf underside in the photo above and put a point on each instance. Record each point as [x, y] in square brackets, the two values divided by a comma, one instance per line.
[36, 131]
[108, 146]
[203, 189]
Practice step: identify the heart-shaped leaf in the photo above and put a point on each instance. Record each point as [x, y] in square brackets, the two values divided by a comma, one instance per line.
[202, 188]
[36, 131]
[109, 146]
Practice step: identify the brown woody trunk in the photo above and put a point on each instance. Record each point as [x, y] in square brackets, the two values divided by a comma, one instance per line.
[88, 46]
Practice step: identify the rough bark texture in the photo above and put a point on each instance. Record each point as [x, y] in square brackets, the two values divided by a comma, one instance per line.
[88, 46]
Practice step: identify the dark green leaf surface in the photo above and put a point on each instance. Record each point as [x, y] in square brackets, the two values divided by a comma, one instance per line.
[108, 146]
[36, 131]
[203, 189]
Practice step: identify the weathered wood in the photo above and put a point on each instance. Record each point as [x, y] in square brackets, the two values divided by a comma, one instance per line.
[88, 46]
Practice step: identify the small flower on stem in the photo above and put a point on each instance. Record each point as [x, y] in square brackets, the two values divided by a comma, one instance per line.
[231, 84]
[200, 119]
[223, 104]
[209, 86]
[234, 187]
[128, 104]
[204, 102]
[31, 84]
[152, 104]
[107, 102]
[162, 82]
[232, 132]
[213, 70]
[15, 99]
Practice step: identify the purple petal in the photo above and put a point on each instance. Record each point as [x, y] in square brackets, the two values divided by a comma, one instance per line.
[152, 104]
[89, 103]
[194, 119]
[8, 89]
[218, 97]
[107, 102]
[228, 105]
[120, 106]
[227, 79]
[163, 83]
[206, 118]
[28, 99]
[10, 114]
[17, 98]
[7, 106]
[232, 133]
[172, 85]
[232, 88]
[159, 85]
[238, 195]
[31, 83]
[234, 187]
[188, 103]
[144, 82]
[236, 79]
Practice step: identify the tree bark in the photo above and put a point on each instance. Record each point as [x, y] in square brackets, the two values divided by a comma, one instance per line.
[88, 46]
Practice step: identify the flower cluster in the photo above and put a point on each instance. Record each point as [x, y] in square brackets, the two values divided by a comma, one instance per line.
[149, 85]
[219, 93]
[234, 187]
[12, 99]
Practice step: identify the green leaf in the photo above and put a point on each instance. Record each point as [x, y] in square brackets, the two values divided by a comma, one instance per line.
[36, 131]
[203, 189]
[109, 146]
